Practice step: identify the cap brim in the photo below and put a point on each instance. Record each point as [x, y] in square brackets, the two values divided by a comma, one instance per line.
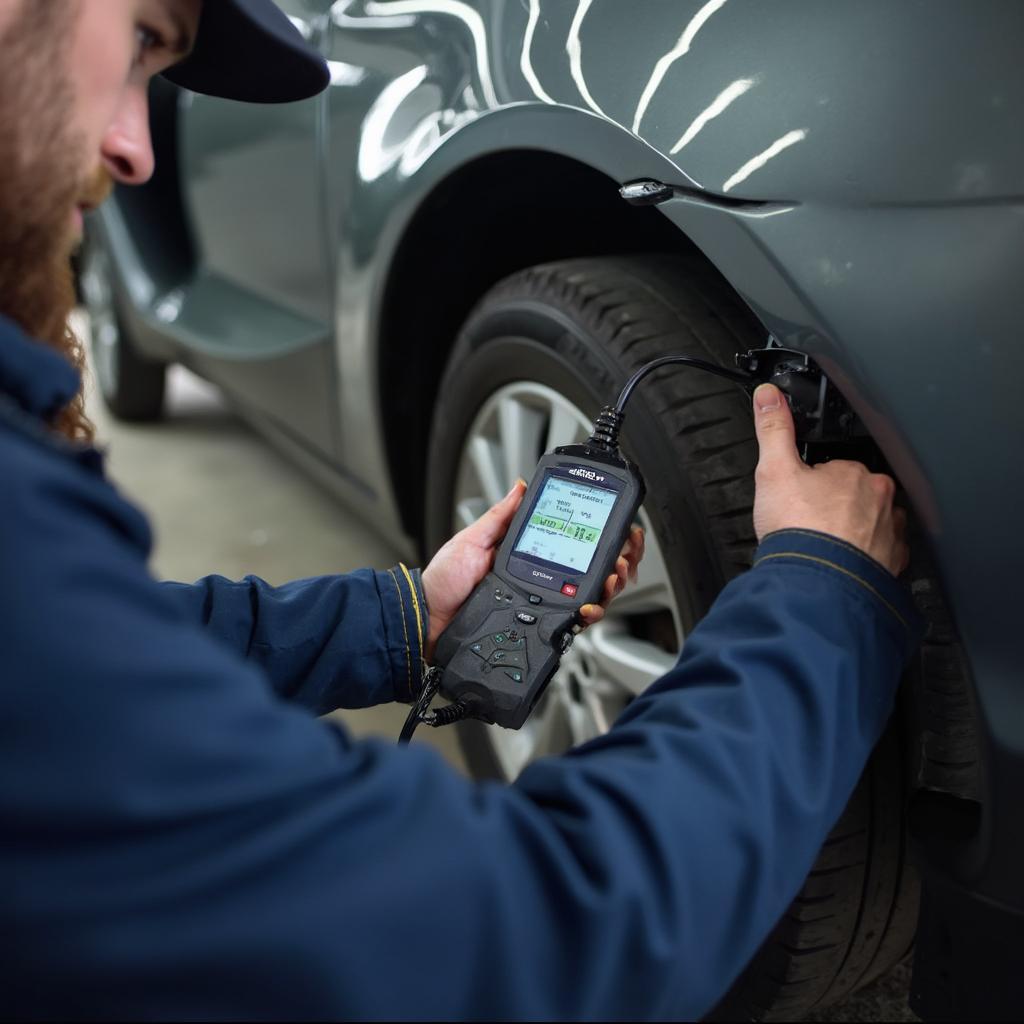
[248, 50]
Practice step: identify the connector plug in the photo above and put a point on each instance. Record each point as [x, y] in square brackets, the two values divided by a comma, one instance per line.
[606, 430]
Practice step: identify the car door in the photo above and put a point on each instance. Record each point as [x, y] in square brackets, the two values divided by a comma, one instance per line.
[262, 298]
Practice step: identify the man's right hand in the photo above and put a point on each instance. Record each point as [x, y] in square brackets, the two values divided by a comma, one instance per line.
[839, 498]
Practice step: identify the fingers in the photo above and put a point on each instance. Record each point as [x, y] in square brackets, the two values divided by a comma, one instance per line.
[625, 566]
[616, 583]
[633, 552]
[488, 530]
[776, 435]
[625, 570]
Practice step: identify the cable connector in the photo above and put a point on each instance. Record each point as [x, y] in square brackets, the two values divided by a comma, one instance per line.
[447, 715]
[420, 711]
[606, 430]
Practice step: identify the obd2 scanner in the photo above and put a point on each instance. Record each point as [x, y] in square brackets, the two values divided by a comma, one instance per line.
[495, 659]
[505, 643]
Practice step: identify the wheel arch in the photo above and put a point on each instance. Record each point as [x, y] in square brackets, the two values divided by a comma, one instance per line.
[458, 243]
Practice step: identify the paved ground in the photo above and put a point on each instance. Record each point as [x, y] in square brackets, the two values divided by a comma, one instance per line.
[223, 501]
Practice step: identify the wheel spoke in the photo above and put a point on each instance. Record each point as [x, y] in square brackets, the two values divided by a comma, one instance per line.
[582, 725]
[549, 726]
[519, 428]
[514, 750]
[596, 710]
[631, 663]
[652, 590]
[469, 511]
[485, 457]
[563, 428]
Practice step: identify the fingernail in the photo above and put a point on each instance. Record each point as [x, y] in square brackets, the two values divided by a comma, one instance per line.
[766, 397]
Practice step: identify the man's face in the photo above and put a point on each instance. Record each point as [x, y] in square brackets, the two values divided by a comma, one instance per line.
[73, 119]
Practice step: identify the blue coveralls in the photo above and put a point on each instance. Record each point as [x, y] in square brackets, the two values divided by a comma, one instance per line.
[183, 838]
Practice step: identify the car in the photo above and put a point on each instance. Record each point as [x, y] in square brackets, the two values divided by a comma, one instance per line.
[420, 281]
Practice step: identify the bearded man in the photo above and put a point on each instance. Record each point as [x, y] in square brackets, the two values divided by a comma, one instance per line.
[183, 837]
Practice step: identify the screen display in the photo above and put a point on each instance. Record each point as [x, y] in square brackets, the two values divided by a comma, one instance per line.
[566, 523]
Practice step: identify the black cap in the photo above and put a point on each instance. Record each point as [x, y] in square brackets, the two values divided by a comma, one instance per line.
[249, 50]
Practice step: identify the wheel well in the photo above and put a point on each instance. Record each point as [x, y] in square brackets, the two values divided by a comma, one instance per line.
[491, 218]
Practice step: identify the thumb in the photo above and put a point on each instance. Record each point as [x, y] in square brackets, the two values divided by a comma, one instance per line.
[493, 524]
[776, 435]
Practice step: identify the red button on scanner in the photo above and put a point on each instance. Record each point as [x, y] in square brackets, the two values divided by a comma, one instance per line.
[569, 589]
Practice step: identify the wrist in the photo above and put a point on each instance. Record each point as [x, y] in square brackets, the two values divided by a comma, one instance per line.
[851, 567]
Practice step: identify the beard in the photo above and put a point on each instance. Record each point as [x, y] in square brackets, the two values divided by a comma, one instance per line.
[40, 184]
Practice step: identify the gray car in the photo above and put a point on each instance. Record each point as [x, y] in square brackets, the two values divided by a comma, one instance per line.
[419, 282]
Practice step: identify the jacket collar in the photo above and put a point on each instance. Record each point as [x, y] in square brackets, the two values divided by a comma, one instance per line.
[39, 379]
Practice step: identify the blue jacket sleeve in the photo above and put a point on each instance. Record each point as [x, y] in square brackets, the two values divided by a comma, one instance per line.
[328, 642]
[180, 843]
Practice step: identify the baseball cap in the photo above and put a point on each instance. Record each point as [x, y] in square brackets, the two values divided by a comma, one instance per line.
[249, 50]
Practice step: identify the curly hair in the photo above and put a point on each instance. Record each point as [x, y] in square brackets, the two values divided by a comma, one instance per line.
[72, 420]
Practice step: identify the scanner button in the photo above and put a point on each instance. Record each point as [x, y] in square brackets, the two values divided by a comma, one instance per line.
[569, 589]
[526, 617]
[508, 659]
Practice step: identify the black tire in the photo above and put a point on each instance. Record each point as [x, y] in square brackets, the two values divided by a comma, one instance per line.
[582, 327]
[131, 385]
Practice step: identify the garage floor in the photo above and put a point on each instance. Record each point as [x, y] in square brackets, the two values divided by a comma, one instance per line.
[223, 501]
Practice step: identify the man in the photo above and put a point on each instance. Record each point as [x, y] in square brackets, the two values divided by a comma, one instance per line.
[183, 838]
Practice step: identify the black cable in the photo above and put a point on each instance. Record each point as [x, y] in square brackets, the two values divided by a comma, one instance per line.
[411, 721]
[431, 681]
[442, 716]
[739, 376]
[609, 421]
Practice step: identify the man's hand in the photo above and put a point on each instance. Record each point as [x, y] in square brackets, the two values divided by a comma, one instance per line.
[467, 558]
[840, 498]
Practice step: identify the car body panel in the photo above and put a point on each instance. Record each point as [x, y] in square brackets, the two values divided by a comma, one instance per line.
[885, 136]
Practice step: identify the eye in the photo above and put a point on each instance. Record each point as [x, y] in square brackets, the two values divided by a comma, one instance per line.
[146, 41]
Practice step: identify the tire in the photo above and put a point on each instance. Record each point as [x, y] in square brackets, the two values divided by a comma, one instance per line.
[131, 385]
[577, 329]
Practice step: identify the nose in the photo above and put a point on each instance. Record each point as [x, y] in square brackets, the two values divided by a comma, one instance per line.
[127, 148]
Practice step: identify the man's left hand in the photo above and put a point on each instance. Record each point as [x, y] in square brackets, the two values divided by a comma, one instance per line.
[454, 572]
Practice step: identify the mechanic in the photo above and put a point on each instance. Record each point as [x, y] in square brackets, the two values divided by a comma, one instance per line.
[183, 838]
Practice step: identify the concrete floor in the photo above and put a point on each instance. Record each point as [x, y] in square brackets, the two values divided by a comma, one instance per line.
[221, 500]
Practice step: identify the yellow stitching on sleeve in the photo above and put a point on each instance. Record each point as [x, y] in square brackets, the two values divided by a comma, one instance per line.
[832, 565]
[835, 540]
[415, 605]
[408, 662]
